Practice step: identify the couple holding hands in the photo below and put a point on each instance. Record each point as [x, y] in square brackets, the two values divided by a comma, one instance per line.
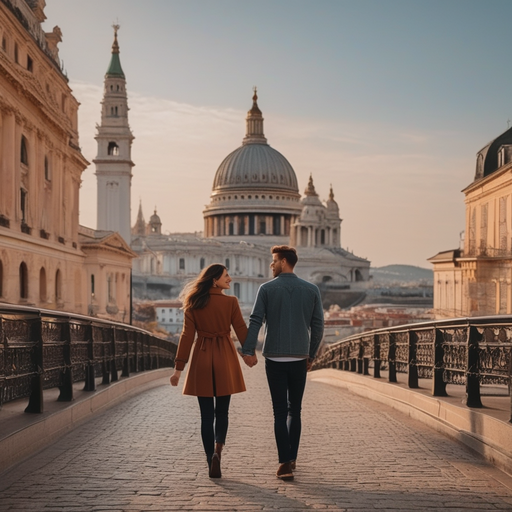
[291, 309]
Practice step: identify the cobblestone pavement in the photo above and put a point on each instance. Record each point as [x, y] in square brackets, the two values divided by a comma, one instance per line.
[356, 455]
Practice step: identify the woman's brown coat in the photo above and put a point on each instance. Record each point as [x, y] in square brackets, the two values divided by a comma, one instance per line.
[214, 368]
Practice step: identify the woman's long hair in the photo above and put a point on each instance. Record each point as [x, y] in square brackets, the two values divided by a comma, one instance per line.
[196, 294]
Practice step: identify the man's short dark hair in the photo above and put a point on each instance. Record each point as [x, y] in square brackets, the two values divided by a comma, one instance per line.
[286, 252]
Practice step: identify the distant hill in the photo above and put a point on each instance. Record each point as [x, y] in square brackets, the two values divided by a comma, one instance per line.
[401, 273]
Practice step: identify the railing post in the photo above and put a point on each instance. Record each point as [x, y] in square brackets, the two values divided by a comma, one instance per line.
[114, 355]
[413, 366]
[90, 378]
[35, 402]
[66, 390]
[473, 369]
[2, 361]
[376, 357]
[126, 355]
[360, 356]
[438, 383]
[392, 357]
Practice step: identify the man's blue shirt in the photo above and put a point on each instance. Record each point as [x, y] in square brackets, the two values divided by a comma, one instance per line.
[291, 309]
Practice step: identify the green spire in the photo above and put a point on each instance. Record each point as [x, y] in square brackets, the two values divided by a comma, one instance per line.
[115, 70]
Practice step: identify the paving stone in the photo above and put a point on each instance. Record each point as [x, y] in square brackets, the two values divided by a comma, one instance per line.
[145, 454]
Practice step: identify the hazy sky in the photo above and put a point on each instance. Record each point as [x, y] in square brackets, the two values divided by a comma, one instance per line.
[387, 100]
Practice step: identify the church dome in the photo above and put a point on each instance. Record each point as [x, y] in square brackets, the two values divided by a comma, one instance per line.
[255, 166]
[255, 191]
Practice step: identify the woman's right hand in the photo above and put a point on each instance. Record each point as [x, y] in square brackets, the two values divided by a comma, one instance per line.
[175, 377]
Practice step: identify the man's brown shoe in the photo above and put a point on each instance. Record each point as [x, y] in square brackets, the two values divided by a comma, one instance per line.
[215, 467]
[284, 472]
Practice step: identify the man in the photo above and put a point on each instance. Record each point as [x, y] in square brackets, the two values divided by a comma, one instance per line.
[294, 322]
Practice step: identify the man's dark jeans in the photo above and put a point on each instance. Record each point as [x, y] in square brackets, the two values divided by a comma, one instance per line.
[286, 382]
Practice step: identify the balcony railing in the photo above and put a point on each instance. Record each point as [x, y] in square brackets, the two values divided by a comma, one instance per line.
[467, 351]
[42, 349]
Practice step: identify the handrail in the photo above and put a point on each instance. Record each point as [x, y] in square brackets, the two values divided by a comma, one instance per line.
[467, 351]
[43, 349]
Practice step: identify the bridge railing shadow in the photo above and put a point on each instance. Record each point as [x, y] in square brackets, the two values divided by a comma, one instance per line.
[472, 352]
[44, 349]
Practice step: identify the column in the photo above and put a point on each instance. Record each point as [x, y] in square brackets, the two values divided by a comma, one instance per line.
[235, 224]
[281, 221]
[256, 225]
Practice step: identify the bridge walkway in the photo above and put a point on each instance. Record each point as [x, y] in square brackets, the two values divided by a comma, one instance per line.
[357, 454]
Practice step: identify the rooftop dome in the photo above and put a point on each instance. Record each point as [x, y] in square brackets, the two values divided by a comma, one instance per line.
[255, 164]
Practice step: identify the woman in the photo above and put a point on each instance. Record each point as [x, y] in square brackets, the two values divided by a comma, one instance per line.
[214, 372]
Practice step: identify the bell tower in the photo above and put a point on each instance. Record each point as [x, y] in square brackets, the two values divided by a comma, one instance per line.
[113, 161]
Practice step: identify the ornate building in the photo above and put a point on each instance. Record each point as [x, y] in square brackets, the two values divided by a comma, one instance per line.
[254, 204]
[476, 278]
[46, 258]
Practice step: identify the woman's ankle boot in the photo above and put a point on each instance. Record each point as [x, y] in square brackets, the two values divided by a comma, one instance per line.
[218, 449]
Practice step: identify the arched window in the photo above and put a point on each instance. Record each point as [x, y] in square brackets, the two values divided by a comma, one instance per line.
[263, 227]
[322, 237]
[359, 276]
[201, 263]
[231, 228]
[42, 285]
[113, 149]
[23, 281]
[237, 290]
[227, 263]
[58, 286]
[92, 285]
[16, 59]
[182, 263]
[24, 151]
[4, 44]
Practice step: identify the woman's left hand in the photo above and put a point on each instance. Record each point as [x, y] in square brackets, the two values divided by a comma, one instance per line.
[175, 377]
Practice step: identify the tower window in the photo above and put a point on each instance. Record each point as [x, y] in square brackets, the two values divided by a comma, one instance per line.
[237, 290]
[16, 53]
[92, 285]
[30, 63]
[227, 263]
[113, 149]
[182, 263]
[201, 263]
[263, 227]
[4, 44]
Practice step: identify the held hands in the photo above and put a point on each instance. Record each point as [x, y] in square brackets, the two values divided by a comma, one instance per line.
[250, 361]
[175, 377]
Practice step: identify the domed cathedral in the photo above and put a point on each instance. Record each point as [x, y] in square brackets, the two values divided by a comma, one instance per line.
[255, 195]
[474, 279]
[254, 204]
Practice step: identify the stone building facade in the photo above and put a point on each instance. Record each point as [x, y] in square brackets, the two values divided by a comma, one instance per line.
[476, 278]
[46, 258]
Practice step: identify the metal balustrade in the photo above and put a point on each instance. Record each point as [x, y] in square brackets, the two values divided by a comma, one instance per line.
[466, 351]
[43, 349]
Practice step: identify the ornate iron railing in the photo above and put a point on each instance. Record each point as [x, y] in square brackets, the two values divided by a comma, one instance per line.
[43, 349]
[465, 351]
